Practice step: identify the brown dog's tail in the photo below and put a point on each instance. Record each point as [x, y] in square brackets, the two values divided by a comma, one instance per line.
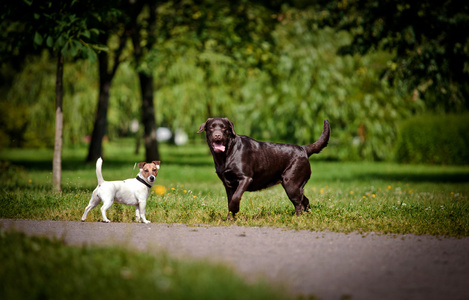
[321, 143]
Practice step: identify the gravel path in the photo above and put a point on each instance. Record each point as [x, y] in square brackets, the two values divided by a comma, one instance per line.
[326, 264]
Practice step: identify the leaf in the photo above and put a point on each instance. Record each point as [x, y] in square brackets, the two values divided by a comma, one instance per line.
[92, 55]
[59, 43]
[49, 41]
[86, 33]
[65, 50]
[94, 31]
[38, 38]
[73, 48]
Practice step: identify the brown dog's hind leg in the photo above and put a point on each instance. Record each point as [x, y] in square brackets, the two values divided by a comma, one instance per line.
[293, 181]
[305, 203]
[295, 194]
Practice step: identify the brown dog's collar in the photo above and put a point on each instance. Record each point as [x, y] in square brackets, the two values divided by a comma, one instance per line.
[144, 182]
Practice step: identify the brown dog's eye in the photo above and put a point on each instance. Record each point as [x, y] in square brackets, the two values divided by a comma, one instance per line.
[154, 170]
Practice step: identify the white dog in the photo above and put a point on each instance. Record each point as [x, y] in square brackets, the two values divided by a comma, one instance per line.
[132, 191]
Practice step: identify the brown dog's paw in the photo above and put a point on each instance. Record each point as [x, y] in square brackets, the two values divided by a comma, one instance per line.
[230, 217]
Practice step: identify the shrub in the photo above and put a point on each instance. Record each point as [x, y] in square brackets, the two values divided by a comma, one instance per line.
[434, 139]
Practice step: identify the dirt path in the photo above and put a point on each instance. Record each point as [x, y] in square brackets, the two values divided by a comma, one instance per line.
[329, 265]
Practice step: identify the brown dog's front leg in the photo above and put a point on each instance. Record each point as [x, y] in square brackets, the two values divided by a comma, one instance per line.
[233, 204]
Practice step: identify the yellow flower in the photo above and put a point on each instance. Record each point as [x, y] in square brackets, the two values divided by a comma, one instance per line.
[30, 181]
[159, 190]
[373, 195]
[389, 187]
[351, 192]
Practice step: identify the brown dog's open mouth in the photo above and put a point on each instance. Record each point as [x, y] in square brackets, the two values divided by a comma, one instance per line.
[218, 147]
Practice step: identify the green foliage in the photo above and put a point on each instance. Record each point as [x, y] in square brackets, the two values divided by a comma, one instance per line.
[276, 83]
[34, 267]
[431, 56]
[434, 139]
[27, 119]
[301, 83]
[344, 197]
[63, 27]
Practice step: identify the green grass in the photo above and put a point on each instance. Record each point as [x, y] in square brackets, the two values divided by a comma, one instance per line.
[38, 268]
[345, 197]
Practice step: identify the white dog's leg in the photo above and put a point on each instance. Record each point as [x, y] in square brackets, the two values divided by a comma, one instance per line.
[106, 205]
[94, 201]
[137, 213]
[143, 205]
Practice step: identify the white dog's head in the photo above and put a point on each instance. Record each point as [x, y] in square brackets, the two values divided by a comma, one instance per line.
[149, 171]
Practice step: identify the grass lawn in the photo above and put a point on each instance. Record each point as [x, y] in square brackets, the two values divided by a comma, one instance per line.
[39, 268]
[345, 197]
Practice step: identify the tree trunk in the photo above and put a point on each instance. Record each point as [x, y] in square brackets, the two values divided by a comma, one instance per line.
[148, 117]
[57, 160]
[146, 78]
[95, 150]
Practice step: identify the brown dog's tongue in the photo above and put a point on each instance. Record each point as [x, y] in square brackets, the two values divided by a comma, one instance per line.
[218, 147]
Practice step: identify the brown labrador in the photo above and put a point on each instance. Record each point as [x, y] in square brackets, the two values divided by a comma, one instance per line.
[244, 164]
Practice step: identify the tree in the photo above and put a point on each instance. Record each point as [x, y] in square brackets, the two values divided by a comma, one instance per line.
[62, 28]
[428, 38]
[230, 23]
[112, 24]
[141, 46]
[136, 20]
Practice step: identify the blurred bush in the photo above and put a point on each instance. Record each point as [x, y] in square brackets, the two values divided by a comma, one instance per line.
[434, 139]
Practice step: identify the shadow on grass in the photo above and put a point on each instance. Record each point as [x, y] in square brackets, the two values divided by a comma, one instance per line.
[456, 177]
[198, 156]
[111, 164]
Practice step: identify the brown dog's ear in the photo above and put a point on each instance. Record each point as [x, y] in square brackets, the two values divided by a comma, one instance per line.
[231, 126]
[202, 127]
[141, 164]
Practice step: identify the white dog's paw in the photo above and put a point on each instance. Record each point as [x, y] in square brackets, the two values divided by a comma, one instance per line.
[106, 221]
[146, 222]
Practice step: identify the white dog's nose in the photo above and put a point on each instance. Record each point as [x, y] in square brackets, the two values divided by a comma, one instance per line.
[151, 178]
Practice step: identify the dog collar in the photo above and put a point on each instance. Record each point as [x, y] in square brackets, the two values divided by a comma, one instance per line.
[144, 182]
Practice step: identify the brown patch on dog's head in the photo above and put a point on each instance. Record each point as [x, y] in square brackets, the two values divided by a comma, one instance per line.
[219, 131]
[149, 171]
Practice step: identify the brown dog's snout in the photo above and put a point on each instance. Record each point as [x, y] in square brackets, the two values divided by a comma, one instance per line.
[217, 135]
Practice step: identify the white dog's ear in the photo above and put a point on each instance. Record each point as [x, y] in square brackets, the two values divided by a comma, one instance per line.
[141, 164]
[157, 163]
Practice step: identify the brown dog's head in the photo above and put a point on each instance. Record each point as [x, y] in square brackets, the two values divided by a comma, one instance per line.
[149, 171]
[219, 131]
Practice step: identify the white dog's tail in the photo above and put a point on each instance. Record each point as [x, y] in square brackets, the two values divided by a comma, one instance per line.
[99, 175]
